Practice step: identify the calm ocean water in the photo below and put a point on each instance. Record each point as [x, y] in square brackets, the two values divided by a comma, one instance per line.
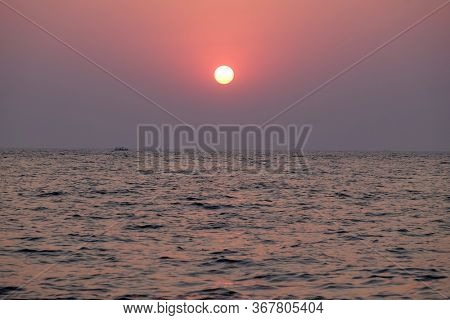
[86, 224]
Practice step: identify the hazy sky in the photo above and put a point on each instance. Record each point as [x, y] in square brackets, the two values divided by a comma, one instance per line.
[399, 99]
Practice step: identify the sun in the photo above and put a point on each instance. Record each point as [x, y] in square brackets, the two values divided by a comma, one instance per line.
[224, 74]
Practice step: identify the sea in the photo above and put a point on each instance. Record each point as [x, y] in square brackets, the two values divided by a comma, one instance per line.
[90, 224]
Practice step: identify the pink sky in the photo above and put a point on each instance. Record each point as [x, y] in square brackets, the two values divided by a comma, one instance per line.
[280, 50]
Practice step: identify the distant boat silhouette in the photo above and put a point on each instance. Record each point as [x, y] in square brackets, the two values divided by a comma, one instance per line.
[120, 149]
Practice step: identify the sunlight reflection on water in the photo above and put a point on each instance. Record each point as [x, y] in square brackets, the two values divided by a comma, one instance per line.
[361, 225]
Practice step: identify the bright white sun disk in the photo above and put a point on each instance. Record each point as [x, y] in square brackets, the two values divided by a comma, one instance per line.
[224, 74]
